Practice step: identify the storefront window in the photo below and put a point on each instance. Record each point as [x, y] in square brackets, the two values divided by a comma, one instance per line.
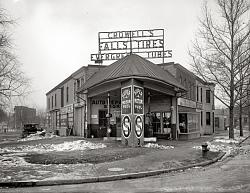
[183, 122]
[102, 118]
[188, 122]
[161, 122]
[192, 122]
[166, 122]
[156, 122]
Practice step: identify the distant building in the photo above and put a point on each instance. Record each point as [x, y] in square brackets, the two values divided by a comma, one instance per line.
[3, 127]
[23, 115]
[221, 119]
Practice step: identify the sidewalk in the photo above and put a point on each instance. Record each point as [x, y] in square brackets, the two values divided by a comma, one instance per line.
[178, 155]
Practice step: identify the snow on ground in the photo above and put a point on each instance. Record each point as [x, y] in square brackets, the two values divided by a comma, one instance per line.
[22, 171]
[224, 144]
[157, 146]
[14, 167]
[226, 148]
[37, 136]
[225, 139]
[12, 160]
[66, 146]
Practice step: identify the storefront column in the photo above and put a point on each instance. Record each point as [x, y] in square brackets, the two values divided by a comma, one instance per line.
[132, 113]
[174, 116]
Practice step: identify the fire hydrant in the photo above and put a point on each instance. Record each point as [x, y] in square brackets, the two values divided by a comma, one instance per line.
[205, 149]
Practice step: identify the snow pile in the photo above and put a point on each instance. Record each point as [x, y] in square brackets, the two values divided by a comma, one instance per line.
[219, 148]
[12, 160]
[225, 139]
[37, 136]
[157, 146]
[197, 147]
[66, 146]
[223, 148]
[76, 145]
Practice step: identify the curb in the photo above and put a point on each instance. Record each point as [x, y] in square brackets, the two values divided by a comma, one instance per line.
[107, 178]
[243, 140]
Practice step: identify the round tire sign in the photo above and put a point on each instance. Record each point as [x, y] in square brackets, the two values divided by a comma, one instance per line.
[126, 126]
[138, 126]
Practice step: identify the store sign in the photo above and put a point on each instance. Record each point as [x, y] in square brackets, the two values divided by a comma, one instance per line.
[186, 103]
[113, 103]
[118, 44]
[138, 126]
[126, 100]
[126, 126]
[67, 109]
[117, 56]
[128, 34]
[138, 100]
[127, 45]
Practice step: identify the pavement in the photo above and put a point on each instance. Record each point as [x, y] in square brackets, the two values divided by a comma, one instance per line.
[179, 158]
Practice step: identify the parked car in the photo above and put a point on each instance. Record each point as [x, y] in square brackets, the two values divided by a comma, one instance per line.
[31, 128]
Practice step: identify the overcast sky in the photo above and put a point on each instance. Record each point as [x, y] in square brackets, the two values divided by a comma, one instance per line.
[54, 38]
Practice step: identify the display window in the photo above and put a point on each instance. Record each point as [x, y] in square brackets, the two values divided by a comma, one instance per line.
[183, 122]
[161, 122]
[188, 122]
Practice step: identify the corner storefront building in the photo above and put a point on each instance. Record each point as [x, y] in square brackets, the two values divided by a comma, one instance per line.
[131, 97]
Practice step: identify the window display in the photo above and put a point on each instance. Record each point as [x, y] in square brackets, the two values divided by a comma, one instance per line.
[188, 122]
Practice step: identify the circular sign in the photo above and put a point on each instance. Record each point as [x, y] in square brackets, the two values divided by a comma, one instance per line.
[126, 126]
[138, 126]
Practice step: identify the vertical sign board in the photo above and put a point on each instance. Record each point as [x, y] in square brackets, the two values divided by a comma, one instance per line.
[126, 114]
[138, 109]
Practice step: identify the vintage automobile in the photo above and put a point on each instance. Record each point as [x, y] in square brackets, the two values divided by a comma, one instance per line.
[31, 128]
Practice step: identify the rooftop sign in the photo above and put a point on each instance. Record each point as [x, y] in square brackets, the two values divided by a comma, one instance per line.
[116, 45]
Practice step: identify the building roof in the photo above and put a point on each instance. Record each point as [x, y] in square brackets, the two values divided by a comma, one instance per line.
[132, 66]
[72, 76]
[179, 66]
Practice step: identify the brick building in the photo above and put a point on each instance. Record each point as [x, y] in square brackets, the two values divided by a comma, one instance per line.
[65, 109]
[196, 106]
[23, 115]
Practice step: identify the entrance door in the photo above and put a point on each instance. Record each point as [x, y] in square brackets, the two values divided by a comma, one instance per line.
[103, 122]
[78, 122]
[161, 124]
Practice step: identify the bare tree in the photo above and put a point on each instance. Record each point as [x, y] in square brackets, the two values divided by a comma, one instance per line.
[243, 83]
[220, 53]
[13, 82]
[41, 116]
